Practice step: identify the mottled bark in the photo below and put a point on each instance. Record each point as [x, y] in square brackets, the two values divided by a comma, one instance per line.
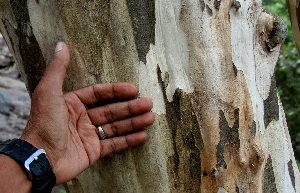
[207, 65]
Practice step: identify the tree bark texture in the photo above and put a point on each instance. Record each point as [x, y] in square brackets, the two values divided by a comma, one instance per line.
[208, 65]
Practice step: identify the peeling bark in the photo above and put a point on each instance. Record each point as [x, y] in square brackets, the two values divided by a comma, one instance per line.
[207, 65]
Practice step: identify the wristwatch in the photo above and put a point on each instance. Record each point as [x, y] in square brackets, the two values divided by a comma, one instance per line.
[34, 161]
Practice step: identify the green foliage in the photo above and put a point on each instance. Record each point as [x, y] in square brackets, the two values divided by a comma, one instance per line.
[288, 75]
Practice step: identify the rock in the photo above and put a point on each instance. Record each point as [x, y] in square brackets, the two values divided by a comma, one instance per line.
[14, 99]
[6, 58]
[11, 71]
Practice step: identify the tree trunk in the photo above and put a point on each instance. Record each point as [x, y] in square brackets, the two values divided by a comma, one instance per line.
[294, 12]
[207, 65]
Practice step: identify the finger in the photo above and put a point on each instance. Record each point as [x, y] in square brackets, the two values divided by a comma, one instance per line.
[116, 144]
[55, 71]
[128, 125]
[121, 110]
[94, 93]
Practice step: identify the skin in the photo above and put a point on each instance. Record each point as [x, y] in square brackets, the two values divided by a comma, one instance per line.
[62, 125]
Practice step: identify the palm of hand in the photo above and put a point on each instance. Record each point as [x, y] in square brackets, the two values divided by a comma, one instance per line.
[61, 124]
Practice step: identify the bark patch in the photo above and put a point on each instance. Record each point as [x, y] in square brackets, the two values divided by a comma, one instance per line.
[29, 50]
[195, 161]
[236, 4]
[184, 167]
[269, 178]
[209, 11]
[271, 108]
[227, 135]
[234, 69]
[142, 15]
[291, 172]
[253, 128]
[172, 113]
[202, 5]
[278, 33]
[217, 4]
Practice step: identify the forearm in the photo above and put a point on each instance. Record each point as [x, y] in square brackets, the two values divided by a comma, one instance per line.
[12, 177]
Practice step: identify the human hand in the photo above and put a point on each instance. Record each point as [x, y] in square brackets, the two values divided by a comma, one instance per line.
[63, 126]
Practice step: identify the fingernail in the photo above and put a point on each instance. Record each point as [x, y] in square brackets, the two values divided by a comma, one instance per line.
[58, 47]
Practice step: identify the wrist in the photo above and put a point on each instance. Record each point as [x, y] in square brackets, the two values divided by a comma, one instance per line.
[34, 161]
[10, 169]
[39, 144]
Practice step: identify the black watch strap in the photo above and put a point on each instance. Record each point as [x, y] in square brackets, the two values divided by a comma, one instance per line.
[30, 158]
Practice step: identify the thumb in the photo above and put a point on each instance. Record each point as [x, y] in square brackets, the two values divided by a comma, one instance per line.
[55, 71]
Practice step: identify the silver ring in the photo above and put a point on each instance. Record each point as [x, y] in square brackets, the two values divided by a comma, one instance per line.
[102, 134]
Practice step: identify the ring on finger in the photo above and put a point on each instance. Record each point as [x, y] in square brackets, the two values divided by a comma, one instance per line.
[101, 132]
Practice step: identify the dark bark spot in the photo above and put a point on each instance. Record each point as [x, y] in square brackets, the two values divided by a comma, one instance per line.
[213, 171]
[236, 4]
[195, 162]
[202, 5]
[234, 69]
[269, 178]
[291, 172]
[209, 11]
[142, 15]
[217, 4]
[205, 173]
[278, 34]
[271, 108]
[253, 128]
[31, 54]
[227, 135]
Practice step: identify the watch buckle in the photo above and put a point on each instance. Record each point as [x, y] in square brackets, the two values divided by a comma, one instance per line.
[33, 157]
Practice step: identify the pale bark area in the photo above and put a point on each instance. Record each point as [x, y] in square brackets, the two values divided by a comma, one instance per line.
[207, 65]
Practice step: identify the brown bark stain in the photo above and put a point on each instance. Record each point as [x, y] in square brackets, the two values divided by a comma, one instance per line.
[232, 157]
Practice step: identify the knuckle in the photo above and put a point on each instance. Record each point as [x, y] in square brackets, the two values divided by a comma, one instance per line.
[113, 146]
[132, 124]
[108, 114]
[114, 129]
[129, 107]
[97, 95]
[126, 142]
